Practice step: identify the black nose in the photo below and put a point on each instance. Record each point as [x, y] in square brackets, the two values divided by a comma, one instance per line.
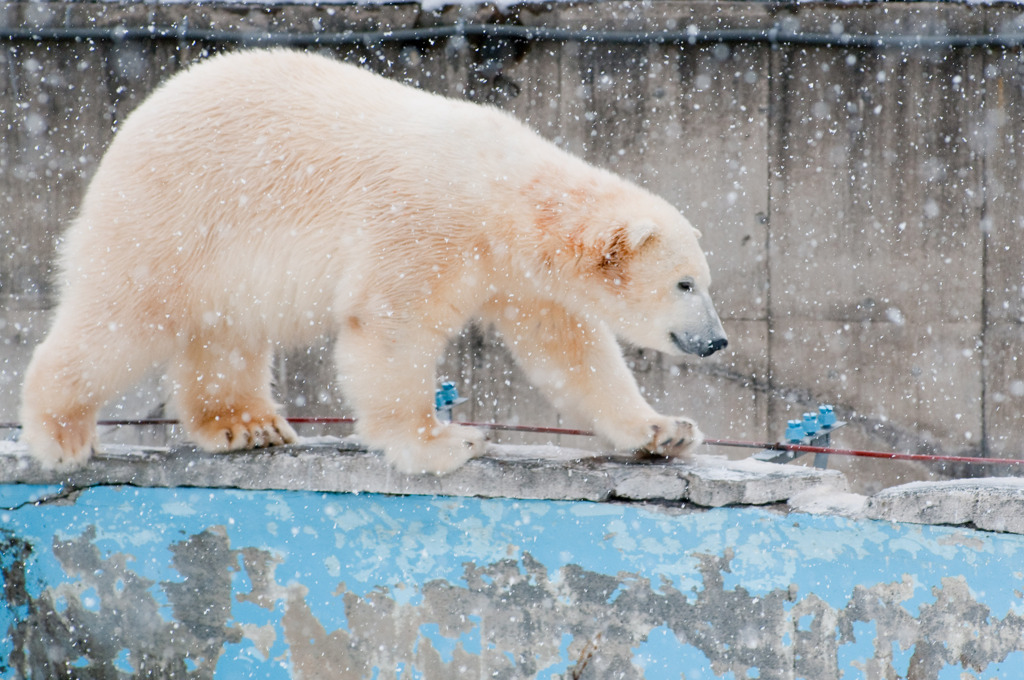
[714, 346]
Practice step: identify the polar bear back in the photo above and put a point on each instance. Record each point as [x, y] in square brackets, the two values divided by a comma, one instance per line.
[249, 181]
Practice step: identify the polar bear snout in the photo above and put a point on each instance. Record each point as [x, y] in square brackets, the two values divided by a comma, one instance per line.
[714, 346]
[701, 331]
[701, 346]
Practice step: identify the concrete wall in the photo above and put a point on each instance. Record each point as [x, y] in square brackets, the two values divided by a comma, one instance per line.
[861, 206]
[303, 563]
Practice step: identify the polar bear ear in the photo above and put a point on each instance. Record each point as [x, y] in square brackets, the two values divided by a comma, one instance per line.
[619, 244]
[640, 232]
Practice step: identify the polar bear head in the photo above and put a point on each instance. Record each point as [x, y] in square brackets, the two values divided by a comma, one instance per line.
[652, 283]
[636, 265]
[618, 254]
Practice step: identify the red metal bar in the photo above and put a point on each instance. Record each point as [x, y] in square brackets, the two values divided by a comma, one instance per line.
[801, 448]
[804, 448]
[530, 428]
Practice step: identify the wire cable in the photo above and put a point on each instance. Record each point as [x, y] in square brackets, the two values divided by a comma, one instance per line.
[768, 446]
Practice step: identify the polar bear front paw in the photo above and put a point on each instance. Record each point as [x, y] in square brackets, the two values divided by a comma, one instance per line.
[443, 450]
[673, 437]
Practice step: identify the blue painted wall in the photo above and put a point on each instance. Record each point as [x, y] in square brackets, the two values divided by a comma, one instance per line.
[119, 582]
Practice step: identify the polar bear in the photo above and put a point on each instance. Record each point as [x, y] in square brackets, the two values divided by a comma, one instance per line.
[265, 198]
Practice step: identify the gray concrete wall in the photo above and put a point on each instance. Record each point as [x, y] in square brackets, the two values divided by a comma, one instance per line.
[861, 206]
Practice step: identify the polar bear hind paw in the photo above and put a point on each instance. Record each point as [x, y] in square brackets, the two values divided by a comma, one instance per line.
[60, 442]
[441, 452]
[237, 432]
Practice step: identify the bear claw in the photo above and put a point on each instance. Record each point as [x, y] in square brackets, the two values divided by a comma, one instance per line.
[253, 433]
[675, 438]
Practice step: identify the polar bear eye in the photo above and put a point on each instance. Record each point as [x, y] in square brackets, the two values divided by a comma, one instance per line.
[686, 285]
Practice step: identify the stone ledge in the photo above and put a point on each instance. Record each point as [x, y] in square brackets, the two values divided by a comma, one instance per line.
[530, 472]
[330, 464]
[993, 504]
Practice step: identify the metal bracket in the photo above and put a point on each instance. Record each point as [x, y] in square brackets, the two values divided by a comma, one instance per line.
[814, 430]
[445, 399]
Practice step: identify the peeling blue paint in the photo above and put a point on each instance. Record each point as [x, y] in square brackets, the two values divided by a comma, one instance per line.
[663, 655]
[292, 584]
[860, 646]
[14, 495]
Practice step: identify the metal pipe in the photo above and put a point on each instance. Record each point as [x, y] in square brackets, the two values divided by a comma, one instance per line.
[801, 448]
[771, 36]
[923, 457]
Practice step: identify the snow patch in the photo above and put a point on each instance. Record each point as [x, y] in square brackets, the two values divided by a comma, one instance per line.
[9, 448]
[825, 499]
[1009, 483]
[721, 468]
[538, 452]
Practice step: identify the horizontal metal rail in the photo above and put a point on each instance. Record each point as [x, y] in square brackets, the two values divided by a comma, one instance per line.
[771, 36]
[778, 446]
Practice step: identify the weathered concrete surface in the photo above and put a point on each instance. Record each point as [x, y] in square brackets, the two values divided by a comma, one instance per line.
[124, 582]
[330, 464]
[989, 504]
[544, 472]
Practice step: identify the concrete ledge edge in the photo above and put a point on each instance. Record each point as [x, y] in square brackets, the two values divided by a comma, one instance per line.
[336, 465]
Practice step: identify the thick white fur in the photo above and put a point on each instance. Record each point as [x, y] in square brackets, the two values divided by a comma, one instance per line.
[266, 198]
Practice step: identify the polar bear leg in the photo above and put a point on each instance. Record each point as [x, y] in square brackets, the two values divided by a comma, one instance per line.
[580, 368]
[222, 394]
[390, 385]
[84, 362]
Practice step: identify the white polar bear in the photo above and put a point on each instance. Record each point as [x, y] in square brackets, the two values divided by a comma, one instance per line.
[265, 198]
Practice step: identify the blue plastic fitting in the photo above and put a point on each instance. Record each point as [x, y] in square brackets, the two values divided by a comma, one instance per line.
[794, 430]
[446, 395]
[826, 416]
[810, 423]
